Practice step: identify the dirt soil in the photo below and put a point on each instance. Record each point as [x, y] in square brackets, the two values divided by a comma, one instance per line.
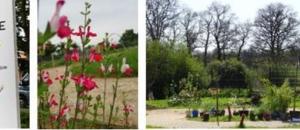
[175, 118]
[128, 90]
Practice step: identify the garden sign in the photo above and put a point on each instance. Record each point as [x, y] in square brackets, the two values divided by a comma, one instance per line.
[9, 108]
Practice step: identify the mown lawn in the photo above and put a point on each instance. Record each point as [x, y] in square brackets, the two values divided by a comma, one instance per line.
[162, 104]
[116, 57]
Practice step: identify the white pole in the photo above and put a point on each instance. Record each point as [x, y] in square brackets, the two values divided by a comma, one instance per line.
[9, 96]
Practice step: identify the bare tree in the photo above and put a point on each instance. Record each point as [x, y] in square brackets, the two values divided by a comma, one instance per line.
[205, 22]
[275, 28]
[190, 27]
[222, 27]
[159, 15]
[242, 34]
[173, 33]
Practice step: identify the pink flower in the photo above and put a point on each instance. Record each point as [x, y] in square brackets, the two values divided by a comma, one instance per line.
[80, 32]
[46, 78]
[126, 69]
[75, 55]
[79, 79]
[94, 56]
[89, 84]
[86, 82]
[128, 108]
[114, 45]
[64, 31]
[64, 111]
[55, 21]
[89, 33]
[52, 102]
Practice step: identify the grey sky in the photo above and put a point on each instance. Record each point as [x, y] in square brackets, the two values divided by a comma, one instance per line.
[244, 9]
[113, 16]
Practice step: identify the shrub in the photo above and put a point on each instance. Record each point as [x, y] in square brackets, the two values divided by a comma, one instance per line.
[167, 65]
[276, 98]
[230, 73]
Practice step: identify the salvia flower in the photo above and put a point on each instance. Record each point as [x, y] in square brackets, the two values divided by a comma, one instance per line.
[75, 55]
[52, 101]
[126, 69]
[128, 108]
[84, 81]
[64, 110]
[55, 21]
[94, 56]
[90, 33]
[82, 33]
[46, 78]
[114, 45]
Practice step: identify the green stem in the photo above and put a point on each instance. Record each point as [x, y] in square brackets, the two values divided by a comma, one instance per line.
[115, 90]
[104, 98]
[83, 41]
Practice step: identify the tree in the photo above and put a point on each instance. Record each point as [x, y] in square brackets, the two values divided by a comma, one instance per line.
[191, 29]
[159, 15]
[222, 27]
[129, 38]
[22, 23]
[243, 34]
[206, 22]
[275, 28]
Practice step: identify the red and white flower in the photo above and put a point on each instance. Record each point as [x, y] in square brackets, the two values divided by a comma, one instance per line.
[52, 101]
[126, 69]
[94, 56]
[46, 78]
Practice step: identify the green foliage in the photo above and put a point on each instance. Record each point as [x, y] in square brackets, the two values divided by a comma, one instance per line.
[229, 73]
[131, 55]
[168, 64]
[24, 118]
[278, 73]
[129, 38]
[276, 98]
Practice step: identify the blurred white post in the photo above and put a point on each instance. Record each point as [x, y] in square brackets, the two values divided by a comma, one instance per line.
[9, 97]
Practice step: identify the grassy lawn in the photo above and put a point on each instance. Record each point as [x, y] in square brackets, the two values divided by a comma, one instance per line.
[115, 58]
[24, 117]
[153, 127]
[131, 54]
[162, 104]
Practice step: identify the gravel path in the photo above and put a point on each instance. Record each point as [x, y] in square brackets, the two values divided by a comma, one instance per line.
[128, 89]
[175, 118]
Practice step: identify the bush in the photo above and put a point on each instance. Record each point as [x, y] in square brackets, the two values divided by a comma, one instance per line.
[167, 65]
[278, 73]
[229, 74]
[276, 99]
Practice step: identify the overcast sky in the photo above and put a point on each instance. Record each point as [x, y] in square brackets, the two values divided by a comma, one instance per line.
[113, 16]
[244, 9]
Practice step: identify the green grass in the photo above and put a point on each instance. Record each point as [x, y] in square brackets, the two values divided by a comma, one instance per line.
[92, 69]
[131, 55]
[208, 101]
[24, 117]
[153, 127]
[50, 64]
[161, 104]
